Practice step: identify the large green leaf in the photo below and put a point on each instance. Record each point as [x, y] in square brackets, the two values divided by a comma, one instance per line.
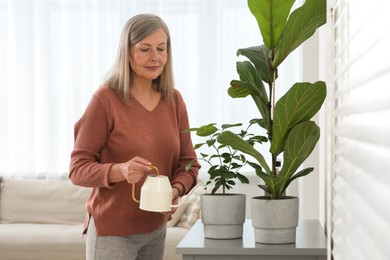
[259, 56]
[237, 143]
[249, 78]
[271, 17]
[301, 102]
[299, 145]
[251, 84]
[247, 73]
[301, 25]
[241, 89]
[302, 173]
[264, 111]
[274, 184]
[269, 180]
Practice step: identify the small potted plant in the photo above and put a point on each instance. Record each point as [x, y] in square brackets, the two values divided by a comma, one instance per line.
[223, 213]
[291, 133]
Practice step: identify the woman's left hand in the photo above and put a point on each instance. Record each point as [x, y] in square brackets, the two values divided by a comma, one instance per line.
[175, 199]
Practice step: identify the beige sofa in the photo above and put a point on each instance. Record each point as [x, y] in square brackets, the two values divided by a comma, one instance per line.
[42, 219]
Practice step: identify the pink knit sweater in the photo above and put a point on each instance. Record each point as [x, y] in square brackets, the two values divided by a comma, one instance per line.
[110, 132]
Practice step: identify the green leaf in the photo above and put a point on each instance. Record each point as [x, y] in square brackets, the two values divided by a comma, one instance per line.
[204, 155]
[259, 56]
[302, 173]
[211, 142]
[237, 157]
[206, 130]
[264, 111]
[231, 182]
[197, 146]
[189, 130]
[257, 139]
[226, 126]
[216, 187]
[213, 172]
[227, 157]
[271, 17]
[251, 83]
[264, 188]
[188, 165]
[301, 25]
[299, 145]
[215, 156]
[301, 102]
[249, 86]
[256, 121]
[273, 183]
[243, 179]
[255, 166]
[240, 89]
[238, 143]
[268, 180]
[243, 133]
[220, 146]
[235, 166]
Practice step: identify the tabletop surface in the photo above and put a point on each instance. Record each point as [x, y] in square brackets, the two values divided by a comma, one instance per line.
[310, 240]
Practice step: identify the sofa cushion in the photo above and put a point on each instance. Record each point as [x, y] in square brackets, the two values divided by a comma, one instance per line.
[41, 241]
[42, 201]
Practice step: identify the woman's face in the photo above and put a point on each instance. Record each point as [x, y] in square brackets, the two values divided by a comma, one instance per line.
[148, 57]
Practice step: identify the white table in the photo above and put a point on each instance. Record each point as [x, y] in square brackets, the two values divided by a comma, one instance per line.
[310, 245]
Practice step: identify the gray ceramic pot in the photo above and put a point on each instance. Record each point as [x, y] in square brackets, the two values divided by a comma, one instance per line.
[275, 221]
[223, 215]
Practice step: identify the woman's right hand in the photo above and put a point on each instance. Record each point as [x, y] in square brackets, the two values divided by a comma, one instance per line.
[132, 171]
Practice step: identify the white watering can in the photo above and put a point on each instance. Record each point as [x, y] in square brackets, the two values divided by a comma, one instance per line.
[156, 193]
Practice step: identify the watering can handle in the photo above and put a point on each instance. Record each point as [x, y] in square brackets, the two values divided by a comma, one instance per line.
[133, 189]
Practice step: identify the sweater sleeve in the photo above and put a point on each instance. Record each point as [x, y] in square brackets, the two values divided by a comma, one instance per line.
[187, 179]
[90, 134]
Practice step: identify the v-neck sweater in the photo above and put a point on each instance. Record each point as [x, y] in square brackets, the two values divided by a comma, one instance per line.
[112, 132]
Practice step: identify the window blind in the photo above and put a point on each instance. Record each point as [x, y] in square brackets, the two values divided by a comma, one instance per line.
[361, 127]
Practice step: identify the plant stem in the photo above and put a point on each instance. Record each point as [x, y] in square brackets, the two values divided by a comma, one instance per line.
[272, 100]
[270, 111]
[274, 172]
[219, 155]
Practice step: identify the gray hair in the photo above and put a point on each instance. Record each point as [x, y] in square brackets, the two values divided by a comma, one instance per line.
[136, 29]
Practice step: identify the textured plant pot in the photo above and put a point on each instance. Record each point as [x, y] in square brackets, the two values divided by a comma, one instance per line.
[223, 215]
[275, 221]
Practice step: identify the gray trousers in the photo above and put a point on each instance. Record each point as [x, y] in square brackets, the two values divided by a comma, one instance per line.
[149, 246]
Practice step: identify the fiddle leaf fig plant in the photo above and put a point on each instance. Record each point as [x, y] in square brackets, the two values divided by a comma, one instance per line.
[225, 163]
[290, 131]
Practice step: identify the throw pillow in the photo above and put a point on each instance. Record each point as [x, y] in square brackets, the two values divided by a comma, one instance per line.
[192, 211]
